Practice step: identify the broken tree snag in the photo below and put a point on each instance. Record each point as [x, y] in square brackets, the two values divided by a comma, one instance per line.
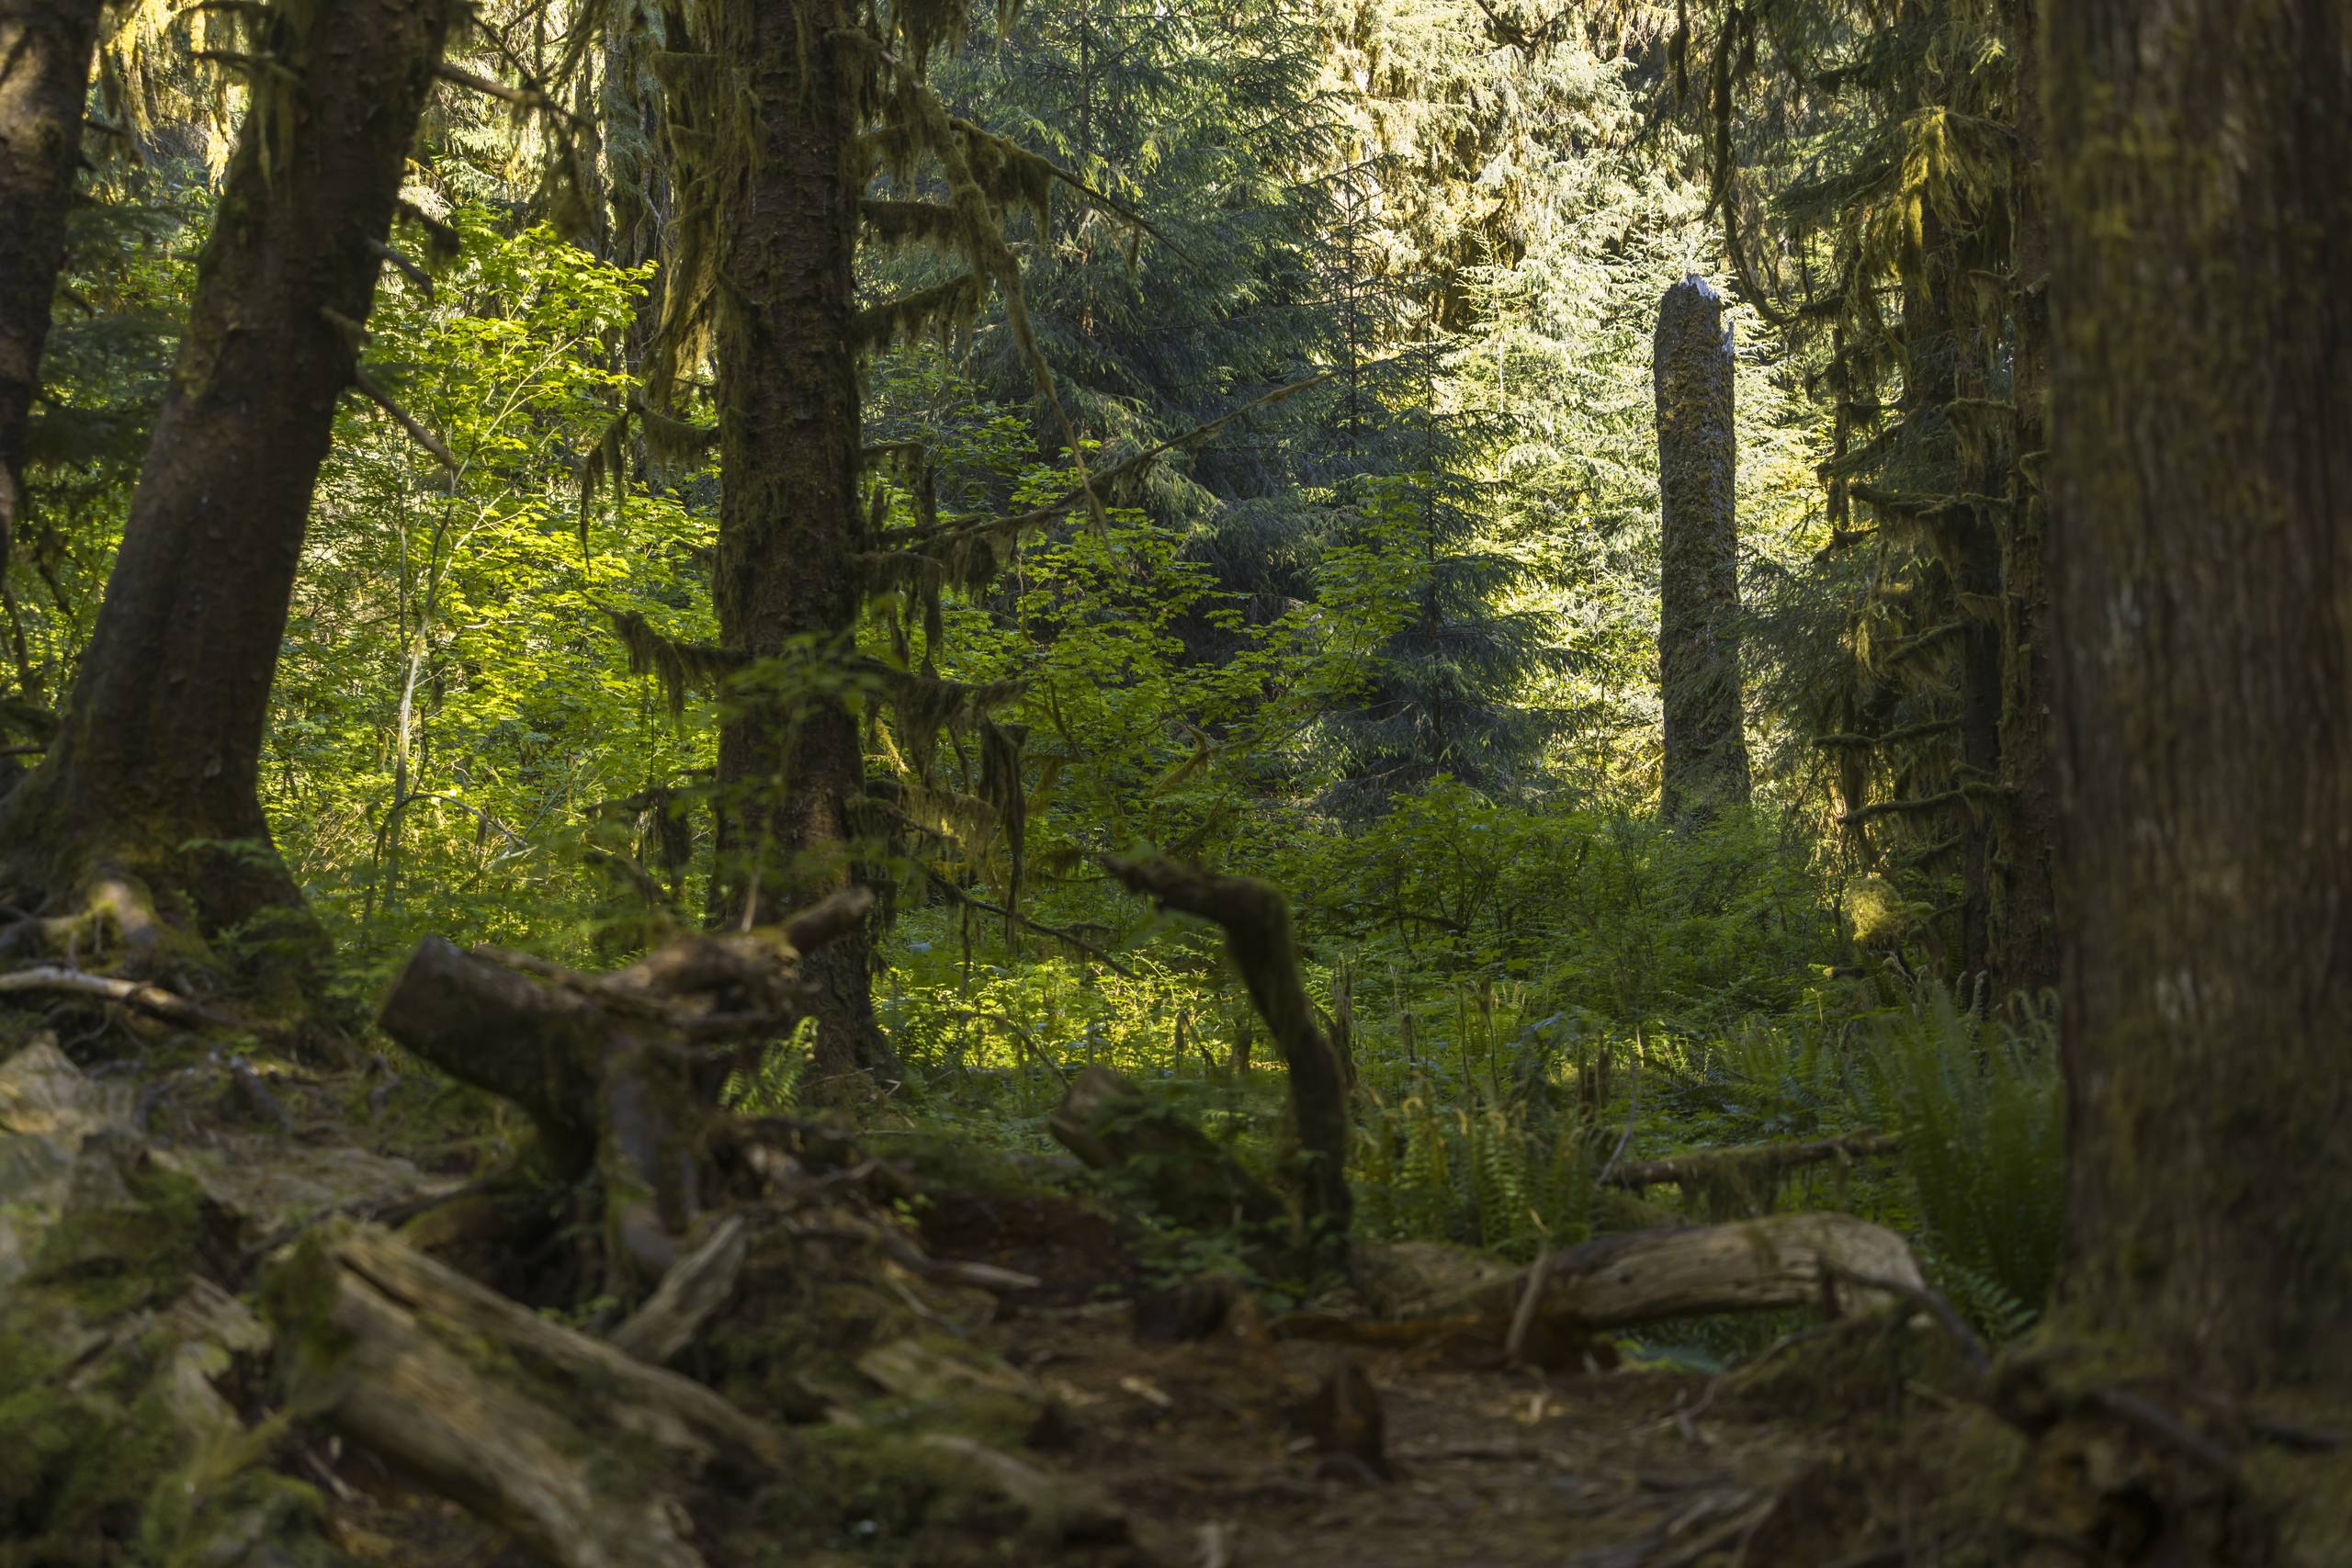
[1706, 761]
[1107, 1122]
[1710, 1163]
[619, 1073]
[520, 1420]
[1257, 937]
[1621, 1281]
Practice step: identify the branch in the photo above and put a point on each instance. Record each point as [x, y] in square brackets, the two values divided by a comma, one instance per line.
[163, 1004]
[1855, 818]
[521, 97]
[408, 269]
[376, 394]
[946, 886]
[1259, 939]
[1891, 737]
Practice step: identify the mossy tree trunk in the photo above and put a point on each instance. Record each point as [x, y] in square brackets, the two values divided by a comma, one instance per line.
[152, 781]
[45, 47]
[2200, 504]
[2024, 939]
[1706, 748]
[791, 765]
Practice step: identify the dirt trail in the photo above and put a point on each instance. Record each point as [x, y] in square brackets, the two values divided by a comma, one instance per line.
[1626, 1468]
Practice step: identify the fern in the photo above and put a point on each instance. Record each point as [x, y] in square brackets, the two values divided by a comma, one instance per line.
[1981, 1114]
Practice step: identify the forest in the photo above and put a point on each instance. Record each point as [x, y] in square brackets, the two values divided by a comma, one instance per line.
[1185, 784]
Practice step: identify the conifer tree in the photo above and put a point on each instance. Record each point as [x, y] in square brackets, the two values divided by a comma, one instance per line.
[45, 49]
[144, 809]
[1899, 246]
[778, 116]
[2206, 766]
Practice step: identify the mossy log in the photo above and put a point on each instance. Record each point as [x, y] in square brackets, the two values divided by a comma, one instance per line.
[589, 1457]
[1781, 1260]
[1108, 1123]
[619, 1073]
[1621, 1281]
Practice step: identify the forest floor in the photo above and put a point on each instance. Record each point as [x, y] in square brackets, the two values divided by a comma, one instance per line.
[1203, 1443]
[1212, 1449]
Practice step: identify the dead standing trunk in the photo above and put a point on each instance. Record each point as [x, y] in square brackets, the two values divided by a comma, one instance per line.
[791, 768]
[2200, 499]
[45, 48]
[150, 784]
[1706, 751]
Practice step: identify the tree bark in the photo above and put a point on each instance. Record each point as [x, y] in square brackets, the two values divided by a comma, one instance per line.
[1706, 747]
[2199, 502]
[153, 773]
[791, 766]
[2024, 939]
[45, 47]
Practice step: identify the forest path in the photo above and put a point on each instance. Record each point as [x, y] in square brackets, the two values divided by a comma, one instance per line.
[1202, 1442]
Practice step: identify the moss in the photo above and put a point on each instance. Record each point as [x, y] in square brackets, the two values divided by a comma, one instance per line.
[135, 1233]
[891, 1500]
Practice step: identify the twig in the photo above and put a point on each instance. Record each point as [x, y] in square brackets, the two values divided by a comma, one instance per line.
[946, 885]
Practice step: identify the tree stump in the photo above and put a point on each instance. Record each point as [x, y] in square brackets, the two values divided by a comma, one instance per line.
[619, 1073]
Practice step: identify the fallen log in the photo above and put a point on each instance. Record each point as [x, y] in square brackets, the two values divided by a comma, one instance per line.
[514, 1417]
[1838, 1264]
[1779, 1260]
[1712, 1163]
[1258, 938]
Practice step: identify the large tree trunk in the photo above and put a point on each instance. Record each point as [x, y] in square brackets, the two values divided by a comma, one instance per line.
[1706, 747]
[2200, 502]
[44, 75]
[152, 779]
[2025, 943]
[791, 766]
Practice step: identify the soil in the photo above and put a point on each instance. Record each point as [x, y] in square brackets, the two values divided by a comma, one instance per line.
[1202, 1441]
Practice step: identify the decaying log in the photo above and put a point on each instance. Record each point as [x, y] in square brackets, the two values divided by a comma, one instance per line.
[1779, 1260]
[1707, 1164]
[1831, 1261]
[1257, 937]
[513, 1417]
[619, 1073]
[1106, 1121]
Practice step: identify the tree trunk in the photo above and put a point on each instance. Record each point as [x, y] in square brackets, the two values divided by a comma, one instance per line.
[45, 49]
[152, 778]
[791, 766]
[2200, 504]
[1706, 749]
[2025, 943]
